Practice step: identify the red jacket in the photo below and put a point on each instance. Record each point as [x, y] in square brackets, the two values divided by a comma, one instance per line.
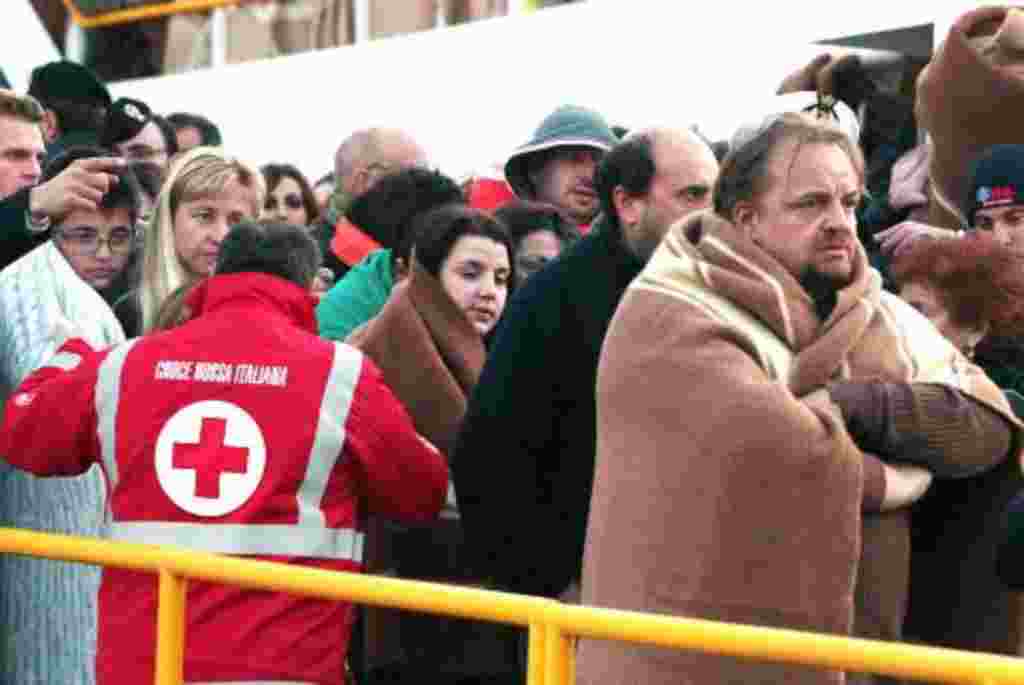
[242, 433]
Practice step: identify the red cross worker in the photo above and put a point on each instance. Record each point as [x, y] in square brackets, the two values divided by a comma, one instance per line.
[239, 432]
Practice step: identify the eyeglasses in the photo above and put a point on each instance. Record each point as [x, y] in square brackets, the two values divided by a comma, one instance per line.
[291, 201]
[86, 240]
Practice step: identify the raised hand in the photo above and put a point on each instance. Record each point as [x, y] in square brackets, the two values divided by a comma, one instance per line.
[79, 187]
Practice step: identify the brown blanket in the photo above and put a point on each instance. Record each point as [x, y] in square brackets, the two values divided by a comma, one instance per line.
[969, 98]
[429, 353]
[718, 493]
[431, 357]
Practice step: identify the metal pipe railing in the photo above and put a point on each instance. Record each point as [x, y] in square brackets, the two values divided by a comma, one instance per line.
[553, 626]
[143, 12]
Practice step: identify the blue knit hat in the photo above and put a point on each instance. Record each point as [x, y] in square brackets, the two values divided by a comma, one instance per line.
[997, 180]
[567, 126]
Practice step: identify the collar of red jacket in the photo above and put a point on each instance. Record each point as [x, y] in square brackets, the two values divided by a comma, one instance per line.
[267, 292]
[351, 244]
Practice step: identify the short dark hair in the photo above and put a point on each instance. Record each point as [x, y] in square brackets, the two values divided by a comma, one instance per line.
[167, 130]
[209, 134]
[522, 217]
[273, 173]
[385, 212]
[266, 247]
[629, 164]
[744, 171]
[123, 193]
[438, 230]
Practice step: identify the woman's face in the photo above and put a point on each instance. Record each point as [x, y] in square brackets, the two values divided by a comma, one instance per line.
[284, 203]
[201, 224]
[926, 299]
[534, 252]
[475, 275]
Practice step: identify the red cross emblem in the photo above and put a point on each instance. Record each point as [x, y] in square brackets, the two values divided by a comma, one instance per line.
[210, 457]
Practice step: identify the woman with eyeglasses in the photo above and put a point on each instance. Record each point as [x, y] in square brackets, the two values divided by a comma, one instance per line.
[289, 199]
[206, 192]
[54, 292]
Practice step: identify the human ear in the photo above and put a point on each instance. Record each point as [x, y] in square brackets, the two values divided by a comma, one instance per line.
[360, 182]
[628, 208]
[745, 218]
[51, 131]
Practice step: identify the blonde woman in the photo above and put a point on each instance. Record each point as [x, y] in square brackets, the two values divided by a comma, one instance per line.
[206, 192]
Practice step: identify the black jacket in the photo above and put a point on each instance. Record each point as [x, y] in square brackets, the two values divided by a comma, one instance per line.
[15, 238]
[524, 463]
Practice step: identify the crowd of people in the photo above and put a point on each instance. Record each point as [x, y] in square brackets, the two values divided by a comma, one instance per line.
[774, 380]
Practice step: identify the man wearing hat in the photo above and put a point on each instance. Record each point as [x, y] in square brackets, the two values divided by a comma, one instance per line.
[134, 132]
[994, 204]
[557, 165]
[75, 104]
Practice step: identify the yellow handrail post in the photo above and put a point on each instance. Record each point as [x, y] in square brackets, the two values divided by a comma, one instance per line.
[535, 655]
[574, 643]
[557, 656]
[554, 628]
[170, 630]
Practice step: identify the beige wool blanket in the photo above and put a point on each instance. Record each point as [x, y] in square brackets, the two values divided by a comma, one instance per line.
[719, 493]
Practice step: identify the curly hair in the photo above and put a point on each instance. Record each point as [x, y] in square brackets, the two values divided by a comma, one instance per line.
[978, 280]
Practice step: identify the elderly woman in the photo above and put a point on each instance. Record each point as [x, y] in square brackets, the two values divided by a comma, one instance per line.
[429, 341]
[972, 289]
[967, 288]
[48, 608]
[206, 192]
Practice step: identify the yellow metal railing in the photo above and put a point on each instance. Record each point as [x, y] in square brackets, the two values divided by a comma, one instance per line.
[553, 626]
[142, 12]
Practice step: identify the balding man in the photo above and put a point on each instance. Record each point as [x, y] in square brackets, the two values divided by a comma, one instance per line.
[361, 160]
[525, 506]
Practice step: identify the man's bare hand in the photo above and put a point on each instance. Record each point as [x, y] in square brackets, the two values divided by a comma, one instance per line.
[895, 241]
[79, 187]
[904, 485]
